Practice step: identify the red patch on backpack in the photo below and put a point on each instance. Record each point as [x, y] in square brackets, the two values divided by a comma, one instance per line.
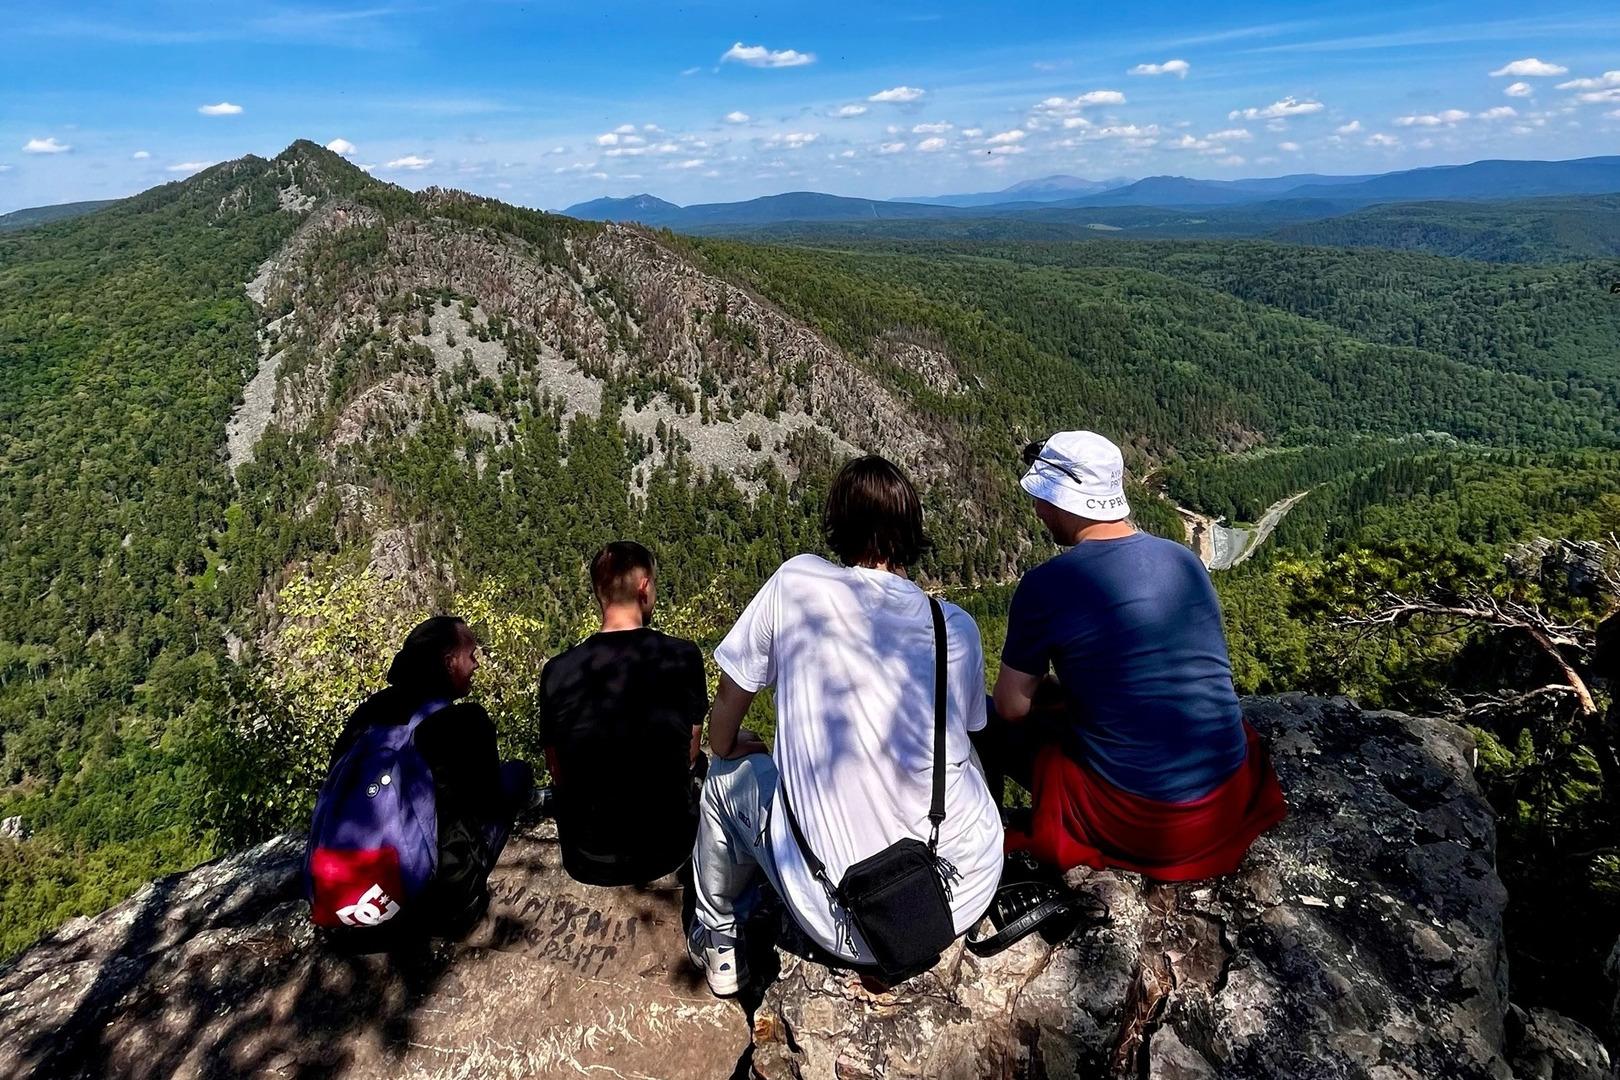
[355, 888]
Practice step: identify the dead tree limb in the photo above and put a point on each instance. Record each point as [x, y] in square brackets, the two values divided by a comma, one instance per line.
[1390, 609]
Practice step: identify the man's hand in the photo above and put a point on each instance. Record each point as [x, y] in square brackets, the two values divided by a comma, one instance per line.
[747, 743]
[1049, 696]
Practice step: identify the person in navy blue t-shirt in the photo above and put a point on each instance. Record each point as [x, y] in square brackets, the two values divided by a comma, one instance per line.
[1115, 698]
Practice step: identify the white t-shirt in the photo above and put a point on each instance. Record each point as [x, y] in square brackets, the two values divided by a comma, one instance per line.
[850, 652]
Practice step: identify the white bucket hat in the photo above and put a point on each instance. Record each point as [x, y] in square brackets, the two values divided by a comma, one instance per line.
[1081, 472]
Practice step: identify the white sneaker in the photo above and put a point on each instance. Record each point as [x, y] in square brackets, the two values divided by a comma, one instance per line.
[719, 957]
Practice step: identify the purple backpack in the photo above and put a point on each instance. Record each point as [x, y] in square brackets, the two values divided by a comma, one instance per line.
[374, 840]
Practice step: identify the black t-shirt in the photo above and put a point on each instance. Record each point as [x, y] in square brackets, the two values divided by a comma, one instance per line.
[618, 710]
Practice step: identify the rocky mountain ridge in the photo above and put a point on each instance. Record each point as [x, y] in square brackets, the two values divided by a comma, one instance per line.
[1361, 938]
[377, 313]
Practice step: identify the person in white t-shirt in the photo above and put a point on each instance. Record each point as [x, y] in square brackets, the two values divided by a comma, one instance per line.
[849, 652]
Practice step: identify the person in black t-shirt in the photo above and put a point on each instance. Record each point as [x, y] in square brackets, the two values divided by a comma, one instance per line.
[476, 794]
[621, 715]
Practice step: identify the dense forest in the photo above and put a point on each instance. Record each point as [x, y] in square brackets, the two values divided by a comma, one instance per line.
[1563, 228]
[469, 398]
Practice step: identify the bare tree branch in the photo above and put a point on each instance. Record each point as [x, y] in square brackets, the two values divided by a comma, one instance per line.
[1390, 609]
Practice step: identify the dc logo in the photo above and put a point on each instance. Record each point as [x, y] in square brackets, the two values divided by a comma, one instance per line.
[375, 906]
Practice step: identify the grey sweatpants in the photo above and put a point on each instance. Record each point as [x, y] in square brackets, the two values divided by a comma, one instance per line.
[731, 846]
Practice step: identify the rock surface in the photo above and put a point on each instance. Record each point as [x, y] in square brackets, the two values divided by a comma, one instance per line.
[1361, 938]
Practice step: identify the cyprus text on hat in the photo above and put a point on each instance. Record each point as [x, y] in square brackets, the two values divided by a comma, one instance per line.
[1081, 472]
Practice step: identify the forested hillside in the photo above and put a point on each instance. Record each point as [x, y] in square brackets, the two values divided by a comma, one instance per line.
[1529, 230]
[257, 422]
[1521, 231]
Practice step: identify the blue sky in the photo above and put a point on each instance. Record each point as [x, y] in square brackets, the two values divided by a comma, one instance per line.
[545, 104]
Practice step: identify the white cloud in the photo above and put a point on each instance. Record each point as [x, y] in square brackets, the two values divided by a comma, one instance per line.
[45, 146]
[1349, 129]
[793, 140]
[223, 108]
[691, 70]
[190, 166]
[689, 163]
[929, 146]
[972, 133]
[847, 111]
[1231, 159]
[891, 147]
[1519, 89]
[1006, 138]
[1178, 68]
[1501, 112]
[341, 147]
[937, 128]
[1230, 135]
[1531, 67]
[607, 139]
[1607, 79]
[1288, 106]
[409, 161]
[1072, 122]
[141, 155]
[625, 129]
[898, 95]
[1380, 139]
[1598, 97]
[1127, 131]
[1188, 142]
[1007, 149]
[557, 150]
[1290, 147]
[1447, 117]
[737, 116]
[761, 57]
[846, 153]
[1061, 105]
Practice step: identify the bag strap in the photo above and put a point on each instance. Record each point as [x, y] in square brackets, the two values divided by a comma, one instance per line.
[936, 808]
[428, 708]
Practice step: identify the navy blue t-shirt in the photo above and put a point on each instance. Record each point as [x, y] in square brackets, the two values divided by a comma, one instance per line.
[1133, 629]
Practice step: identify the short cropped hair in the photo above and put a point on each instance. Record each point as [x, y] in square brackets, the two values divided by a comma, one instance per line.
[873, 515]
[614, 569]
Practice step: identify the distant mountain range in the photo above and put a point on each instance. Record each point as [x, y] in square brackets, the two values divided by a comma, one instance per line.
[1277, 200]
[1045, 189]
[39, 215]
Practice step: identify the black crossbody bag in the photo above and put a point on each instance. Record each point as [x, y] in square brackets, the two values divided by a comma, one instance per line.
[899, 898]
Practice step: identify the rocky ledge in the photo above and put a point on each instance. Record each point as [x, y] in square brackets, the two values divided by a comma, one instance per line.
[1361, 938]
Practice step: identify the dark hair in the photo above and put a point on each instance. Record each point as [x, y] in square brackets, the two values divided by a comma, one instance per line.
[613, 571]
[420, 661]
[873, 514]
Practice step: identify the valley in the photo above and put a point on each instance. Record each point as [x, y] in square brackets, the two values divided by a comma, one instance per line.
[1221, 547]
[259, 420]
